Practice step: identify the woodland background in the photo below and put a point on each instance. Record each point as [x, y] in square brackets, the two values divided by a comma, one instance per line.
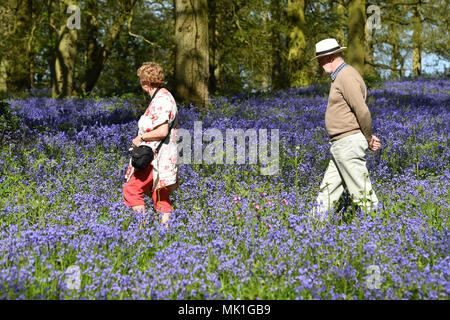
[212, 47]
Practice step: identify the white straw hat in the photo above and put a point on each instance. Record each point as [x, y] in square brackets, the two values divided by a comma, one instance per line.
[326, 47]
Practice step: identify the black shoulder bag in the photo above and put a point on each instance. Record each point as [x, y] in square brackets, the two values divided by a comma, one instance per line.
[142, 156]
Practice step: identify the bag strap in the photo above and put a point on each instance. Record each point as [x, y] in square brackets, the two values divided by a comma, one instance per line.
[154, 94]
[170, 128]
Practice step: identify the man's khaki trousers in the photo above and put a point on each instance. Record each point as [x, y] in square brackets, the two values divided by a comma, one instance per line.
[346, 169]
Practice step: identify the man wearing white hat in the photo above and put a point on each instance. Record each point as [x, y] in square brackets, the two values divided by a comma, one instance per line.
[349, 125]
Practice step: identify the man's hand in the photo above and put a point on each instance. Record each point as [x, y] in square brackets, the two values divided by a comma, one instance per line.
[374, 144]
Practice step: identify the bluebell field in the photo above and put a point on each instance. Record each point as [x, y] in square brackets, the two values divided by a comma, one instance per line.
[234, 234]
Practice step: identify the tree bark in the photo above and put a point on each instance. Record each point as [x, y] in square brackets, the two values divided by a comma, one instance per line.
[298, 76]
[278, 78]
[395, 51]
[3, 74]
[18, 77]
[368, 52]
[356, 23]
[417, 41]
[6, 21]
[192, 51]
[214, 54]
[339, 11]
[66, 54]
[65, 57]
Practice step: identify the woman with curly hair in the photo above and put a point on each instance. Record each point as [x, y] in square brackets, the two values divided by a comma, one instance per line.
[159, 179]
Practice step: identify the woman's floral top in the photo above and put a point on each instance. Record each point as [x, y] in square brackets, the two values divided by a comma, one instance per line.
[162, 109]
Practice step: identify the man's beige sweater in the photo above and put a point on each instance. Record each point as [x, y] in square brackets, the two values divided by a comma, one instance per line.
[347, 112]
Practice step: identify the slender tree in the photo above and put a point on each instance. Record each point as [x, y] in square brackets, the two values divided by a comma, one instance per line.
[65, 56]
[395, 51]
[214, 52]
[298, 76]
[369, 69]
[278, 74]
[6, 23]
[20, 55]
[417, 39]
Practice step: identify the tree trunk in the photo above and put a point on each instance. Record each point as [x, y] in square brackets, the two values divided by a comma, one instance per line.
[356, 34]
[19, 72]
[278, 79]
[65, 62]
[395, 51]
[93, 49]
[214, 57]
[417, 41]
[339, 11]
[3, 75]
[298, 76]
[192, 51]
[369, 69]
[6, 21]
[65, 57]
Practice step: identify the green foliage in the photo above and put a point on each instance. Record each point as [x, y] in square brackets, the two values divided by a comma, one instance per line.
[372, 80]
[249, 42]
[154, 22]
[9, 123]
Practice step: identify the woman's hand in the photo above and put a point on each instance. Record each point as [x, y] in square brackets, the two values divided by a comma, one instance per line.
[136, 141]
[157, 134]
[374, 144]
